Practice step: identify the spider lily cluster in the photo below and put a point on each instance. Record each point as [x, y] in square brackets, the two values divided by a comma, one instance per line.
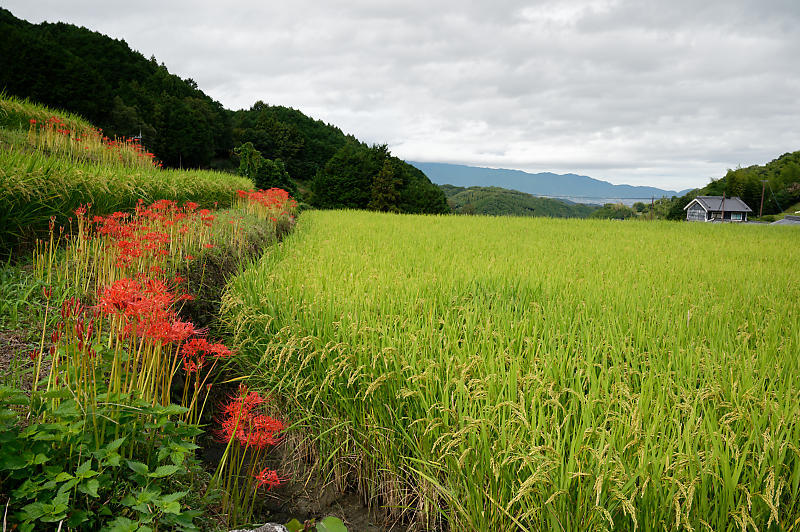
[274, 204]
[248, 430]
[119, 338]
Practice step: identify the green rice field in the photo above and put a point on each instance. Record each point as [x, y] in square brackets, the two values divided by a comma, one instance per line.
[475, 373]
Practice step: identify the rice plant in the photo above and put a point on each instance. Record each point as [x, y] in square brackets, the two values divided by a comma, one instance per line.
[478, 373]
[17, 113]
[35, 187]
[52, 162]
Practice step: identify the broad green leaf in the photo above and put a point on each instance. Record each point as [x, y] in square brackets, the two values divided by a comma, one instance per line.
[163, 453]
[67, 409]
[76, 517]
[84, 468]
[171, 507]
[12, 462]
[164, 471]
[170, 410]
[92, 486]
[294, 526]
[331, 524]
[40, 458]
[60, 393]
[122, 524]
[114, 445]
[178, 495]
[34, 510]
[138, 467]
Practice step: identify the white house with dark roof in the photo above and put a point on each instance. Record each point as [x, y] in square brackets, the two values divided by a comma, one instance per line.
[716, 209]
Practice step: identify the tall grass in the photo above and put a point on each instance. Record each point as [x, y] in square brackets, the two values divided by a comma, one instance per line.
[501, 374]
[17, 113]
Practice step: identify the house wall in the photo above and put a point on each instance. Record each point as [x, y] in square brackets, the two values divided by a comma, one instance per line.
[717, 215]
[696, 213]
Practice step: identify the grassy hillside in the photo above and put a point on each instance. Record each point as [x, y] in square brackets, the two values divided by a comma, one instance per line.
[51, 163]
[498, 201]
[478, 373]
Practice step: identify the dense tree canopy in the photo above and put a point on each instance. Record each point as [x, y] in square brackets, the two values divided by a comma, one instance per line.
[352, 178]
[498, 201]
[265, 173]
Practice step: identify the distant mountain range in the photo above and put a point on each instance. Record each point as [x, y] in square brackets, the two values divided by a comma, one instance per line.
[573, 187]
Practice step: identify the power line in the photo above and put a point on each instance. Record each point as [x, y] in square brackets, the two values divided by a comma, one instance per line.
[773, 196]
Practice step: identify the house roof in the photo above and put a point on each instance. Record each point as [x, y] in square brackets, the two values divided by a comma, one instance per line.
[714, 203]
[788, 220]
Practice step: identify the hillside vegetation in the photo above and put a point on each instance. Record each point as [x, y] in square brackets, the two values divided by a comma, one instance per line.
[571, 375]
[779, 179]
[498, 201]
[51, 163]
[125, 94]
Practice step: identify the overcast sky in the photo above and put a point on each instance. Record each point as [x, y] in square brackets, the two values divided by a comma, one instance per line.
[659, 92]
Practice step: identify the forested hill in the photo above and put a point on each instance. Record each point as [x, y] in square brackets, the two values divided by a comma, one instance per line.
[121, 91]
[114, 87]
[779, 179]
[498, 201]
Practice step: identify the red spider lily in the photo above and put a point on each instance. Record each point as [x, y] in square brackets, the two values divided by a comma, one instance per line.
[120, 296]
[194, 346]
[241, 422]
[220, 351]
[269, 478]
[190, 367]
[194, 353]
[146, 306]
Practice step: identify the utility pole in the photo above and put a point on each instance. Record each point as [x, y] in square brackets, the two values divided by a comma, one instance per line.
[763, 185]
[723, 206]
[652, 206]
